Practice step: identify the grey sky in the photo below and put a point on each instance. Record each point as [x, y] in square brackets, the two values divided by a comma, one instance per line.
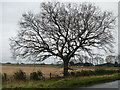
[11, 14]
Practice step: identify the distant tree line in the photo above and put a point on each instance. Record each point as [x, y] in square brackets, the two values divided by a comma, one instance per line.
[96, 61]
[110, 60]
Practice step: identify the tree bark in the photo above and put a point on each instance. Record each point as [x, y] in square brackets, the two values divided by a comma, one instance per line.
[66, 68]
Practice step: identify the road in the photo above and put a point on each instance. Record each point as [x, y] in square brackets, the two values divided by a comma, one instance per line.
[114, 84]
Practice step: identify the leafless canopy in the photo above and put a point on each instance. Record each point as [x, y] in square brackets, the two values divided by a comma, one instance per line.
[63, 30]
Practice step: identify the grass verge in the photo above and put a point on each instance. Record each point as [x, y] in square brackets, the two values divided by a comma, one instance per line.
[82, 82]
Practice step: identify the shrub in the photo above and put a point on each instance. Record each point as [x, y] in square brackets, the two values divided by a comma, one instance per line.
[36, 75]
[72, 73]
[84, 73]
[87, 73]
[103, 71]
[100, 71]
[118, 71]
[96, 72]
[19, 75]
[40, 74]
[77, 74]
[4, 77]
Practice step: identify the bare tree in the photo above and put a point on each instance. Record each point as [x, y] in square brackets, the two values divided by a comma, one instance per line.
[63, 30]
[90, 60]
[101, 60]
[110, 59]
[117, 58]
[86, 58]
[80, 58]
[98, 60]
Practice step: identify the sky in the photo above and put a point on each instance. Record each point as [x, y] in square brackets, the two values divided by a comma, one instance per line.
[11, 13]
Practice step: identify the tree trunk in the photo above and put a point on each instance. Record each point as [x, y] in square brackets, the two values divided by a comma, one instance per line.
[65, 68]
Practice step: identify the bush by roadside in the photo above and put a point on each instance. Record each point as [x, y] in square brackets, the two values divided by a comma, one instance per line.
[96, 72]
[19, 75]
[36, 75]
[4, 77]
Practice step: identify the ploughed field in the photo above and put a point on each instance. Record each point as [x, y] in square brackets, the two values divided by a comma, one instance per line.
[45, 69]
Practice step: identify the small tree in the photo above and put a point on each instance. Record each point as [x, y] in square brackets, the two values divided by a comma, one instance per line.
[98, 60]
[72, 63]
[110, 59]
[116, 64]
[63, 30]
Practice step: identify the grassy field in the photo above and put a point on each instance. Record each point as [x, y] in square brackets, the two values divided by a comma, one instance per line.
[46, 69]
[10, 69]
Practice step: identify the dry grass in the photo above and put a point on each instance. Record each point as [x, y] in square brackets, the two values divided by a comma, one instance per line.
[55, 70]
[29, 69]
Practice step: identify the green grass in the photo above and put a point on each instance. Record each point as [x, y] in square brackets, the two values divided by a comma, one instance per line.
[80, 82]
[70, 82]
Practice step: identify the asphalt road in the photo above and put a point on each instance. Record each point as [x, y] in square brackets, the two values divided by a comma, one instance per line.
[114, 84]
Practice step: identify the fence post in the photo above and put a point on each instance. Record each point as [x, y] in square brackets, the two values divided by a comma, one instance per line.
[50, 75]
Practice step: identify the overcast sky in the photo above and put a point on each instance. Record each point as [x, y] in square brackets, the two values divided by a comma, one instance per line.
[11, 14]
